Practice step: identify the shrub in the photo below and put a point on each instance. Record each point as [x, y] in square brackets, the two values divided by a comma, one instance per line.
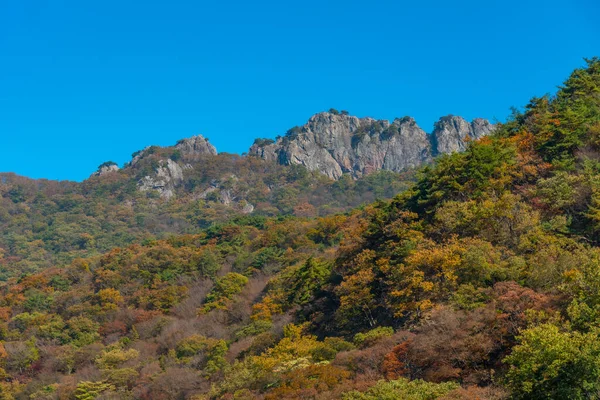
[87, 390]
[369, 338]
[111, 359]
[550, 361]
[211, 350]
[224, 290]
[403, 389]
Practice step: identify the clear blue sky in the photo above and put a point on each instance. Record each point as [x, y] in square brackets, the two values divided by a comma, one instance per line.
[82, 82]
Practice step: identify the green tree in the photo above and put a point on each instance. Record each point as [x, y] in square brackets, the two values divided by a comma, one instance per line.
[224, 290]
[87, 390]
[213, 350]
[403, 389]
[554, 363]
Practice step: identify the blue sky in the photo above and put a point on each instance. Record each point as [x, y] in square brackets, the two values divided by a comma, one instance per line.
[82, 82]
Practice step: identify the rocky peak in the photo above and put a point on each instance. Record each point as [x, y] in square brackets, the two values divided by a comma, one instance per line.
[106, 168]
[327, 126]
[335, 143]
[452, 133]
[331, 143]
[169, 172]
[195, 146]
[189, 149]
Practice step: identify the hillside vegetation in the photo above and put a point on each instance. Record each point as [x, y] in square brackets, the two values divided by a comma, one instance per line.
[44, 223]
[480, 281]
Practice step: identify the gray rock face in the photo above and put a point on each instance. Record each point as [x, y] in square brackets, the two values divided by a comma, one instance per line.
[192, 148]
[168, 175]
[335, 144]
[452, 133]
[106, 169]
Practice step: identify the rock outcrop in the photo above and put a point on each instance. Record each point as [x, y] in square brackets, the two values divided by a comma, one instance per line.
[331, 143]
[189, 149]
[106, 168]
[335, 144]
[168, 175]
[452, 133]
[169, 172]
[194, 147]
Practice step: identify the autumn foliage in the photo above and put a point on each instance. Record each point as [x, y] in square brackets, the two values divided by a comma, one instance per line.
[480, 281]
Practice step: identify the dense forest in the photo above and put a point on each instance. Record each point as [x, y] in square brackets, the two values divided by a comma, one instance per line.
[44, 223]
[479, 280]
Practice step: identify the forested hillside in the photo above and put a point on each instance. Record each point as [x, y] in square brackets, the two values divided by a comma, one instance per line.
[45, 222]
[479, 281]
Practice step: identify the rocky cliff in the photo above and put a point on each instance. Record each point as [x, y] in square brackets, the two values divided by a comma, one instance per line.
[168, 173]
[452, 133]
[335, 143]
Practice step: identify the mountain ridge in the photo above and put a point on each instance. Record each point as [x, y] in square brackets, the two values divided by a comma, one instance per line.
[335, 143]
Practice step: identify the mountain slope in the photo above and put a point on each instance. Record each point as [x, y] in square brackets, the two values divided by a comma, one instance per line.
[188, 186]
[163, 191]
[478, 282]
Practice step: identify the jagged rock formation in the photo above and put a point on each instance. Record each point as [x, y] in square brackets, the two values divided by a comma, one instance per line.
[451, 133]
[189, 149]
[331, 143]
[168, 175]
[335, 144]
[164, 170]
[194, 147]
[106, 168]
